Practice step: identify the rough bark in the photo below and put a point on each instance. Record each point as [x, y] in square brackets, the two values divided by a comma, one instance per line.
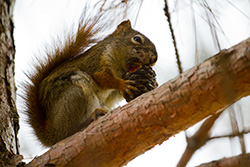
[130, 130]
[8, 114]
[242, 160]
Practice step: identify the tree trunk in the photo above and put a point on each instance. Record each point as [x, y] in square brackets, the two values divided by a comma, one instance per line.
[8, 113]
[130, 130]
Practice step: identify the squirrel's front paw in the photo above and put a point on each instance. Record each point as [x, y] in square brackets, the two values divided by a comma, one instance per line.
[144, 80]
[128, 88]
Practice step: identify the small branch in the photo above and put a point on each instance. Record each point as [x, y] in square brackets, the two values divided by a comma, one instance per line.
[230, 135]
[210, 23]
[130, 130]
[167, 14]
[237, 161]
[235, 128]
[198, 139]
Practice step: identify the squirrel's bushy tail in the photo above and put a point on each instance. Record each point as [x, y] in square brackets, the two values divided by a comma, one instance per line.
[84, 38]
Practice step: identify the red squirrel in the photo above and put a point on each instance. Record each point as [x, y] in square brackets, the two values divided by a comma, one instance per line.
[73, 88]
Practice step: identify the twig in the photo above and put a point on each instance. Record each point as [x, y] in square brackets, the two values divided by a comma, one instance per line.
[198, 139]
[213, 30]
[167, 14]
[235, 128]
[237, 161]
[239, 10]
[230, 135]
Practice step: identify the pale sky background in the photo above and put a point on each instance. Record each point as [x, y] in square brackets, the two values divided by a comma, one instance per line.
[38, 22]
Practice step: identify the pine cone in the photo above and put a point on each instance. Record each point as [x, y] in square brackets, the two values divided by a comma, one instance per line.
[145, 80]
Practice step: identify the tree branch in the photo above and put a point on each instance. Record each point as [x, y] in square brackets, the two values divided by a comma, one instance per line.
[199, 139]
[167, 14]
[230, 135]
[240, 160]
[130, 130]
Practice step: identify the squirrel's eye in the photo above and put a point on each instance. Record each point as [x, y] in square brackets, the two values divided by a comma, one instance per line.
[138, 39]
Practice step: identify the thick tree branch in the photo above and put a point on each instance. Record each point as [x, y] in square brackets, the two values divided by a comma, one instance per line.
[130, 130]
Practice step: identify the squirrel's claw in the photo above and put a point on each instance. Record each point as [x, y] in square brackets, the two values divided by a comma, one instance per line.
[129, 88]
[98, 113]
[144, 80]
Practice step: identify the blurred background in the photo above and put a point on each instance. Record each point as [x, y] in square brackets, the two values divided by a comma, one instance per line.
[200, 30]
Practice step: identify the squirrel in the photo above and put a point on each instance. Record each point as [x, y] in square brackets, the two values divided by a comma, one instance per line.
[73, 87]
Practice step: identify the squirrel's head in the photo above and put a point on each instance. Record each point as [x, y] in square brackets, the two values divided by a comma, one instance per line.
[136, 49]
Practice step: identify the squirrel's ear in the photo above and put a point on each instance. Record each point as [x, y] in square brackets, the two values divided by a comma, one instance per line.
[123, 26]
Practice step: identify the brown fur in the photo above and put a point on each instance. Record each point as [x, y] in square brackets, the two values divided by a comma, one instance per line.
[68, 90]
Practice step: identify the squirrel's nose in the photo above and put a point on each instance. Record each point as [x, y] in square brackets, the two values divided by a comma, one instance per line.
[153, 58]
